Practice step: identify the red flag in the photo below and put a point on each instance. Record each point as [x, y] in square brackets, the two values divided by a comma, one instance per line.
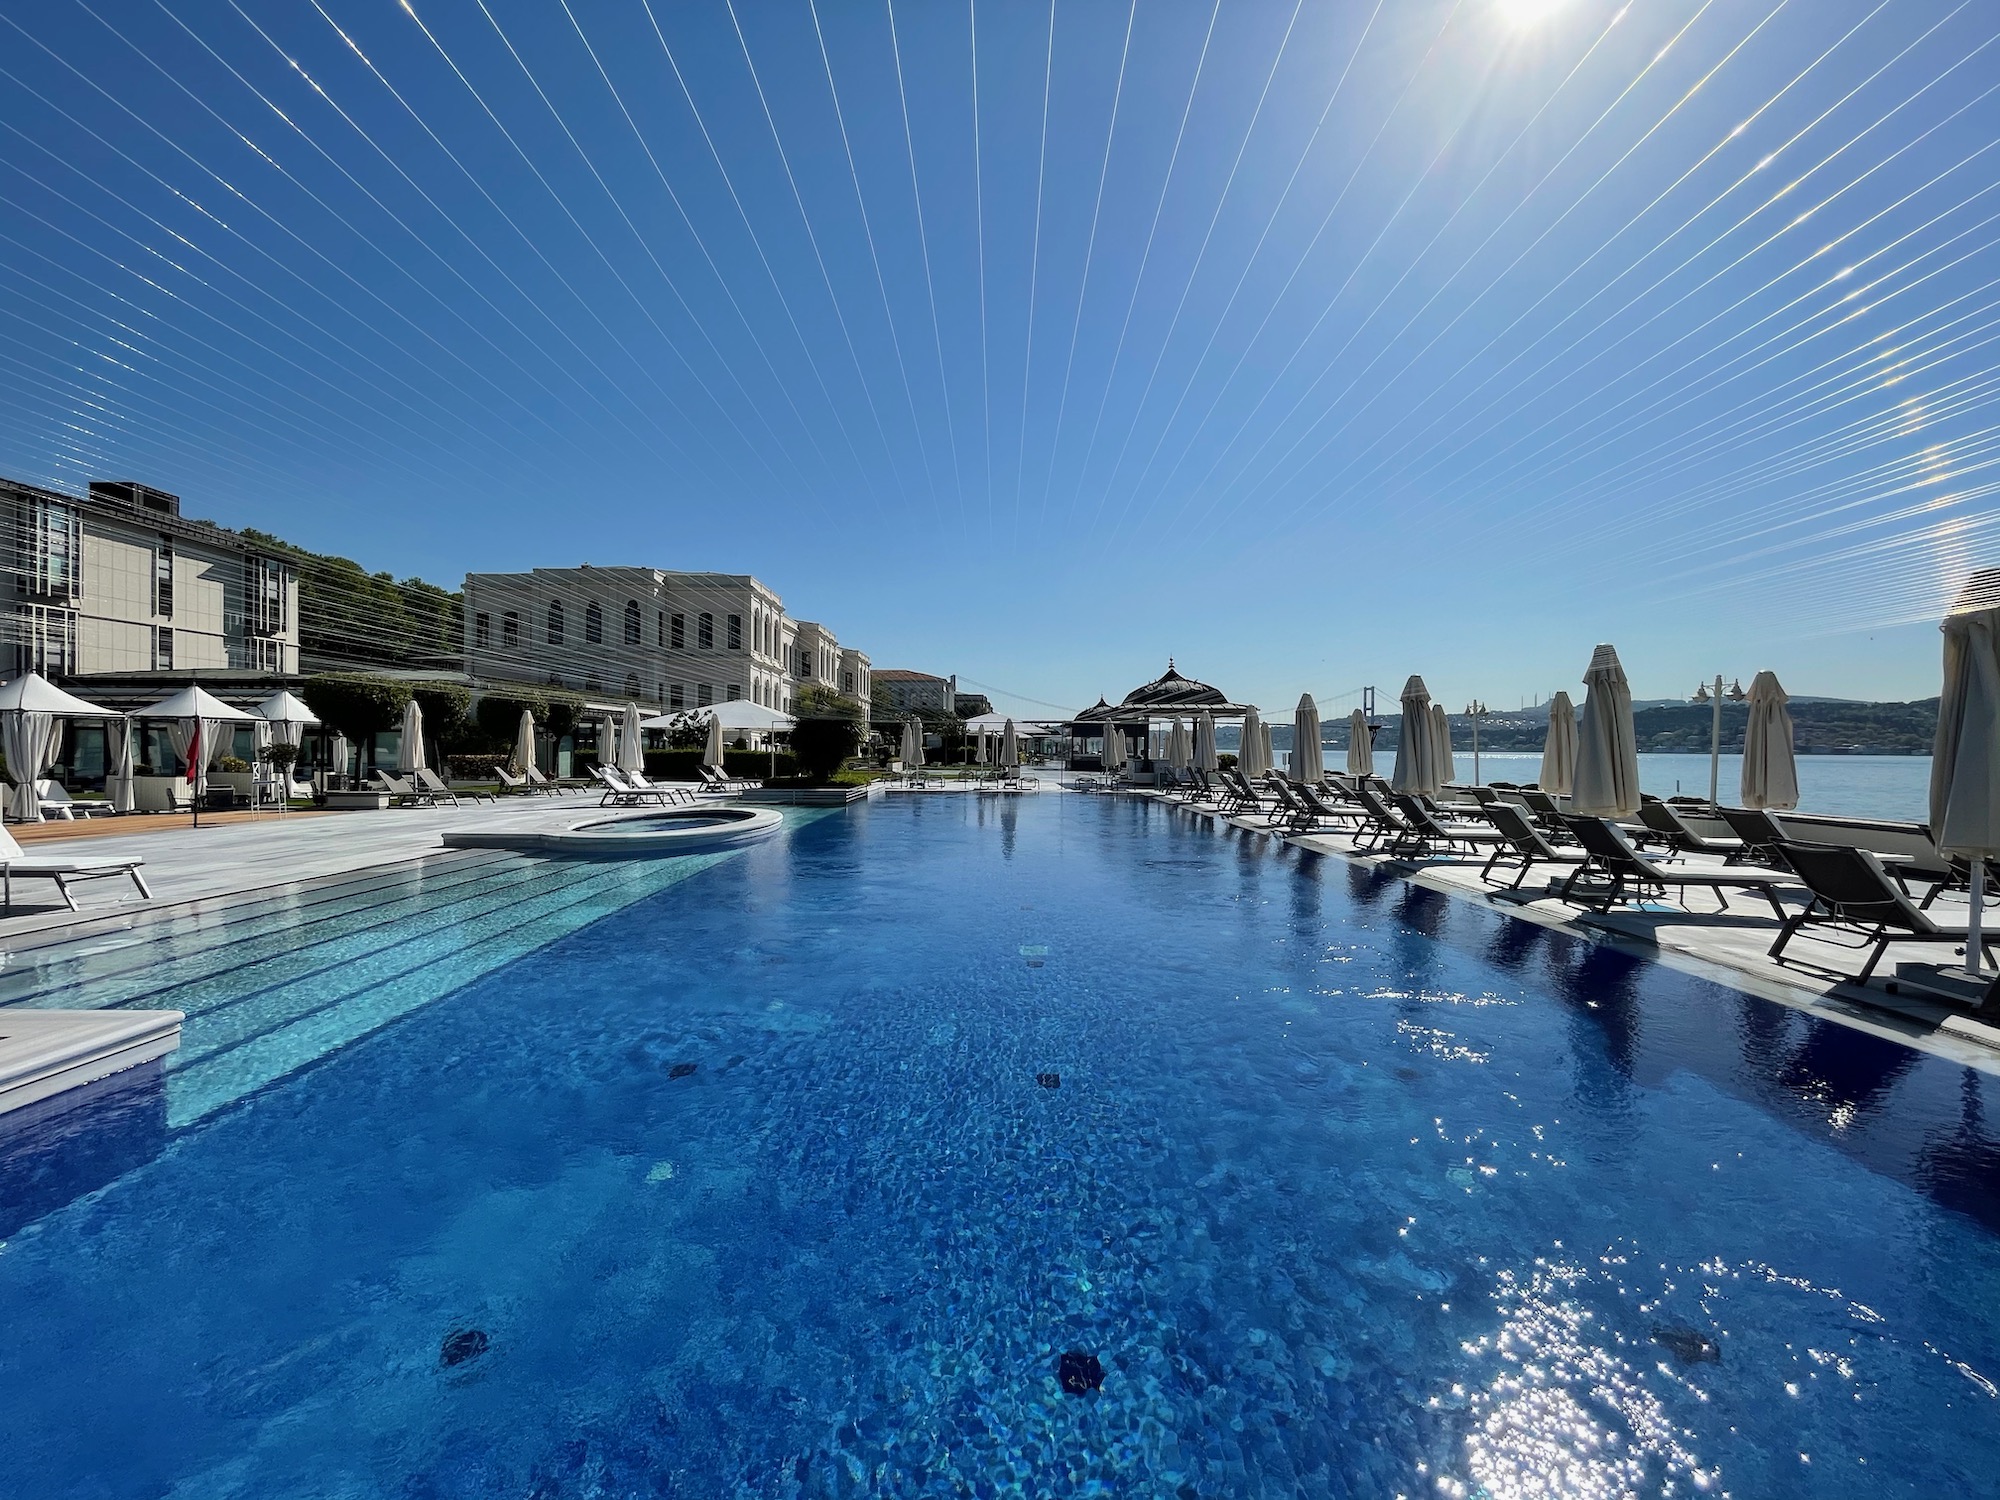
[194, 752]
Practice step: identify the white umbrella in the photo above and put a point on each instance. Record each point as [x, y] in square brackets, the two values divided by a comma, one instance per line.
[30, 710]
[118, 758]
[1965, 758]
[1447, 768]
[524, 744]
[1360, 748]
[607, 741]
[1770, 771]
[1250, 751]
[1180, 750]
[1559, 750]
[1607, 758]
[410, 751]
[1308, 762]
[1114, 747]
[1010, 749]
[1265, 751]
[1416, 745]
[1204, 741]
[337, 753]
[913, 746]
[631, 749]
[199, 719]
[711, 753]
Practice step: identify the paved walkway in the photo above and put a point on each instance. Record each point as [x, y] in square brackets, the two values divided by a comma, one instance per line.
[1729, 948]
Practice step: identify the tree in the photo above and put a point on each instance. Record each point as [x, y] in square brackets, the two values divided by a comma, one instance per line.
[499, 716]
[447, 709]
[356, 704]
[822, 746]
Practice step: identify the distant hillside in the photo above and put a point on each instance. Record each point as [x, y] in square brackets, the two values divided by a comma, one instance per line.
[1823, 726]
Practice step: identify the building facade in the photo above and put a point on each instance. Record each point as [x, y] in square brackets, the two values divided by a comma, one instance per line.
[671, 640]
[917, 692]
[119, 582]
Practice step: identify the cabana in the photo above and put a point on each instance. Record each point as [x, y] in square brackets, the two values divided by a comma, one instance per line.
[31, 711]
[1166, 698]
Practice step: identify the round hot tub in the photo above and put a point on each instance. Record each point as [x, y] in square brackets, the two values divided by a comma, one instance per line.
[662, 831]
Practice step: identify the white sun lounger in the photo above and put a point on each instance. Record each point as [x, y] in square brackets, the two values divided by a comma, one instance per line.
[17, 863]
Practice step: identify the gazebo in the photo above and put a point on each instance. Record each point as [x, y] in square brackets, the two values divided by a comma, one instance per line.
[1167, 697]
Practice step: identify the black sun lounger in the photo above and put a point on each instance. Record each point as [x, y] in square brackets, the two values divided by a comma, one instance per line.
[1630, 876]
[1852, 892]
[1523, 841]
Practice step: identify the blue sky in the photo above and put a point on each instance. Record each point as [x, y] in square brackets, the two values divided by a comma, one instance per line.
[1313, 344]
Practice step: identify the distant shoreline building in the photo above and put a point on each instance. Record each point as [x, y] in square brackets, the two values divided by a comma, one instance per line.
[674, 640]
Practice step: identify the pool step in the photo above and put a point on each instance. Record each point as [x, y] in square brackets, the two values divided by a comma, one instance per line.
[47, 1052]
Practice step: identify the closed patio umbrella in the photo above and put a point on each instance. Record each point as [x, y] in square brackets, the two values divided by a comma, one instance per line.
[337, 754]
[1180, 750]
[711, 750]
[1250, 753]
[631, 748]
[1965, 757]
[1360, 747]
[913, 746]
[1607, 759]
[1114, 747]
[1010, 748]
[1266, 755]
[31, 713]
[1770, 769]
[1204, 741]
[1308, 761]
[1416, 746]
[607, 740]
[1447, 768]
[524, 744]
[1559, 750]
[410, 750]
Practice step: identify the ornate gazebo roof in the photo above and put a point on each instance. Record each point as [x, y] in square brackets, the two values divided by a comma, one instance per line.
[1167, 695]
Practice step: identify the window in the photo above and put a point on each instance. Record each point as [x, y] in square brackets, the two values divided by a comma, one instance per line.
[680, 633]
[510, 628]
[556, 623]
[632, 626]
[704, 695]
[51, 550]
[265, 585]
[735, 692]
[163, 648]
[631, 684]
[45, 639]
[736, 632]
[706, 637]
[163, 579]
[482, 629]
[663, 627]
[676, 696]
[592, 685]
[847, 683]
[593, 623]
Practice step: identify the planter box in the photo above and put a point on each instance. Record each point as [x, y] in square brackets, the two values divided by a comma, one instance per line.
[161, 794]
[357, 801]
[805, 796]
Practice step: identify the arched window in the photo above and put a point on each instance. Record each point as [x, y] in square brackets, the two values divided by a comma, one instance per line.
[593, 623]
[631, 622]
[555, 622]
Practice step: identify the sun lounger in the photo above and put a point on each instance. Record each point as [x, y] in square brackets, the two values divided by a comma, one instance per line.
[1428, 830]
[533, 776]
[1522, 840]
[1385, 828]
[401, 793]
[439, 788]
[57, 803]
[17, 864]
[1548, 815]
[1853, 892]
[1760, 832]
[509, 782]
[1631, 876]
[618, 792]
[1669, 827]
[1331, 804]
[674, 789]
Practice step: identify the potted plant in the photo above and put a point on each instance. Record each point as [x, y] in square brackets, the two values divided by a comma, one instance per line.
[280, 757]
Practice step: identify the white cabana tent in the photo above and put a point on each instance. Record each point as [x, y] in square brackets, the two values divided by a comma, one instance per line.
[737, 716]
[1360, 748]
[1770, 766]
[1607, 759]
[1447, 767]
[1965, 757]
[287, 715]
[1416, 744]
[199, 719]
[631, 748]
[1308, 761]
[1204, 741]
[1559, 749]
[524, 744]
[1250, 750]
[31, 711]
[410, 745]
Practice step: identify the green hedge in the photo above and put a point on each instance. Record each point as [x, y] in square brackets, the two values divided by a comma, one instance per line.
[752, 765]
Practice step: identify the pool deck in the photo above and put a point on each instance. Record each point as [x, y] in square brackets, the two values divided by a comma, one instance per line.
[1729, 948]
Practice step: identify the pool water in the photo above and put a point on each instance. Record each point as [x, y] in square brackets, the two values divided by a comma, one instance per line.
[802, 1171]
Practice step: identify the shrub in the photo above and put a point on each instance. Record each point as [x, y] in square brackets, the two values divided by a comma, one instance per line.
[474, 766]
[822, 746]
[356, 704]
[280, 755]
[232, 764]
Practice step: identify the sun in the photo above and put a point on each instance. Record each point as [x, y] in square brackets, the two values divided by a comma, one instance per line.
[1525, 13]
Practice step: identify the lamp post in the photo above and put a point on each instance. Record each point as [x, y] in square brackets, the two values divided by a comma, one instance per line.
[1713, 695]
[1475, 711]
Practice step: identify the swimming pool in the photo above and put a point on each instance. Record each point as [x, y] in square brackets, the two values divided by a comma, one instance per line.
[802, 1171]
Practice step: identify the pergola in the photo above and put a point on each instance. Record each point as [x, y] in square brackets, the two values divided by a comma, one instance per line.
[1167, 697]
